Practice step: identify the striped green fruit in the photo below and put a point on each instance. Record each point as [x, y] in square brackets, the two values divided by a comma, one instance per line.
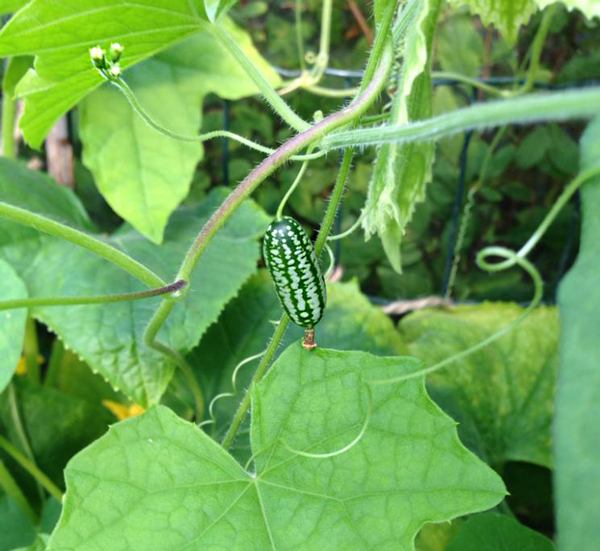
[291, 260]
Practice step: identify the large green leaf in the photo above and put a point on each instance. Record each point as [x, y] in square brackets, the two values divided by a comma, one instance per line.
[503, 394]
[143, 174]
[495, 532]
[401, 172]
[158, 482]
[244, 329]
[12, 323]
[109, 337]
[60, 34]
[577, 430]
[506, 15]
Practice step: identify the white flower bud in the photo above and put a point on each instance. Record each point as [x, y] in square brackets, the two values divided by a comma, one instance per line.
[115, 51]
[114, 71]
[97, 53]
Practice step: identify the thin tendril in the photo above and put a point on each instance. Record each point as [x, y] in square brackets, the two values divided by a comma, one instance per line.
[331, 266]
[348, 446]
[211, 413]
[130, 96]
[514, 259]
[350, 230]
[511, 258]
[292, 188]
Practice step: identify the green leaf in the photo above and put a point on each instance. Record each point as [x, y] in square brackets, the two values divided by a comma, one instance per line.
[12, 323]
[143, 174]
[116, 349]
[244, 329]
[495, 532]
[590, 8]
[577, 430]
[109, 337]
[402, 171]
[60, 34]
[502, 395]
[506, 15]
[10, 6]
[158, 482]
[15, 528]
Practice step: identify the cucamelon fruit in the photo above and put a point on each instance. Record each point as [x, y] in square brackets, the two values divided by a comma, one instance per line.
[290, 258]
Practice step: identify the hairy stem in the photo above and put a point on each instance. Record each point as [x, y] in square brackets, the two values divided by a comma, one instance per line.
[262, 368]
[95, 299]
[272, 97]
[84, 240]
[555, 106]
[378, 65]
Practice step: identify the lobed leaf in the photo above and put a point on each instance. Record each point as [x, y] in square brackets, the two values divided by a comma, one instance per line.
[158, 482]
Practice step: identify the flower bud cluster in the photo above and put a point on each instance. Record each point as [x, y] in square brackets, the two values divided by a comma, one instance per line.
[107, 62]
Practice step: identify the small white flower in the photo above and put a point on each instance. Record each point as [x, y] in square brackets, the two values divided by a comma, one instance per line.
[116, 48]
[115, 71]
[97, 53]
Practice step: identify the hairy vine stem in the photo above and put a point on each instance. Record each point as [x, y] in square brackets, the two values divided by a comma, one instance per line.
[554, 106]
[272, 97]
[94, 299]
[375, 76]
[84, 240]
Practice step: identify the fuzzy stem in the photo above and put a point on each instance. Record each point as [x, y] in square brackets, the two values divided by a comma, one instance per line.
[360, 104]
[31, 468]
[378, 66]
[262, 368]
[555, 106]
[94, 299]
[84, 240]
[269, 93]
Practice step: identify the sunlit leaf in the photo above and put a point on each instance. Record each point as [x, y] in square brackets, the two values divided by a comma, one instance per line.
[186, 491]
[60, 34]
